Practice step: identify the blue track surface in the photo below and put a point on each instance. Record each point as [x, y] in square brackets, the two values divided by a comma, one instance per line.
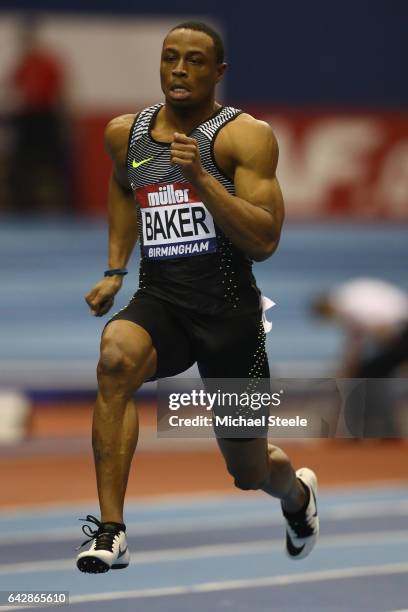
[48, 338]
[220, 553]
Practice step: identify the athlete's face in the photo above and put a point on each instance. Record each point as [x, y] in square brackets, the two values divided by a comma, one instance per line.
[188, 68]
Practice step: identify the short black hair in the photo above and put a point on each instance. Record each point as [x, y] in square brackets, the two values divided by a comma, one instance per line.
[200, 26]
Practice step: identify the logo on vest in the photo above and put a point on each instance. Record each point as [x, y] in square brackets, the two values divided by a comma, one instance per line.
[168, 195]
[175, 222]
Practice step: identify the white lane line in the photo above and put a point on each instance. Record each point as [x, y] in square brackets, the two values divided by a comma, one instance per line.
[368, 509]
[178, 525]
[251, 583]
[262, 518]
[170, 501]
[214, 550]
[397, 489]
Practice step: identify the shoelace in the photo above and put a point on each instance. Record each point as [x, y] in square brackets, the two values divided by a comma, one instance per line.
[104, 539]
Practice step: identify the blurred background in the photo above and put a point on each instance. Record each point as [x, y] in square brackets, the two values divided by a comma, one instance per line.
[327, 77]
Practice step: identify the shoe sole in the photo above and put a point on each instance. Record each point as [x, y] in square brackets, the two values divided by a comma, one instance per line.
[93, 565]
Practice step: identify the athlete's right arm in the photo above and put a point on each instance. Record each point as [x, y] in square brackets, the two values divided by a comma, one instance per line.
[121, 216]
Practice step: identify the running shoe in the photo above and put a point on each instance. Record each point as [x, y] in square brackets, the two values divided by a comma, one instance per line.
[109, 549]
[302, 527]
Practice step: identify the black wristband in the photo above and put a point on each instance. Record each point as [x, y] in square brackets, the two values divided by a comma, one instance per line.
[115, 271]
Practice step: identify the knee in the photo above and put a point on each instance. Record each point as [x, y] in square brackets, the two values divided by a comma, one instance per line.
[248, 478]
[113, 360]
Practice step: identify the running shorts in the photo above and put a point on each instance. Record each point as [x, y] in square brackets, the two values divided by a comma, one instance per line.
[222, 346]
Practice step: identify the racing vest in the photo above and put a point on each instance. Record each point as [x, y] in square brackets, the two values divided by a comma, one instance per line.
[185, 258]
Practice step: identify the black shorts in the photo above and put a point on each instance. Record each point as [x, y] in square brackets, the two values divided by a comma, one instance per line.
[222, 346]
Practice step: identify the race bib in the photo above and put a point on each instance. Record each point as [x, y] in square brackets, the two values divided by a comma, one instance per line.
[175, 222]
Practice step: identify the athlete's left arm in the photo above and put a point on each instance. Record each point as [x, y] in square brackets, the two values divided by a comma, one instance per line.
[253, 217]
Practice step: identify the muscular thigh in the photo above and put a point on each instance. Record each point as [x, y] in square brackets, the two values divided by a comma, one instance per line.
[234, 348]
[174, 352]
[231, 347]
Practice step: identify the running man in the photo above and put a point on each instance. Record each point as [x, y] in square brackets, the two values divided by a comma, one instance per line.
[195, 182]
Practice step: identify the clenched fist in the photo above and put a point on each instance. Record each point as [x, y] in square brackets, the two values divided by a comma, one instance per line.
[101, 297]
[185, 153]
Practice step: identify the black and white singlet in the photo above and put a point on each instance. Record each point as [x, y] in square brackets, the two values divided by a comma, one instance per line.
[185, 258]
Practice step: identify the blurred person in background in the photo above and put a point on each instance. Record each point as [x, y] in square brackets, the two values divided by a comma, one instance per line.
[40, 177]
[374, 317]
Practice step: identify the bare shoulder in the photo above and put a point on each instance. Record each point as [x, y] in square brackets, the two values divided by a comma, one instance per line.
[247, 122]
[251, 132]
[117, 136]
[248, 140]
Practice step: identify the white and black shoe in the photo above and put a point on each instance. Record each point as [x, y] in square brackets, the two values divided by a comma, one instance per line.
[109, 549]
[302, 527]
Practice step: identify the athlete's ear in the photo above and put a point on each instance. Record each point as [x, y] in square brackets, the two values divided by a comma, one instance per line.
[221, 68]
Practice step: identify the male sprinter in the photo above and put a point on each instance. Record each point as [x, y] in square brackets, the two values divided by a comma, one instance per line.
[196, 182]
